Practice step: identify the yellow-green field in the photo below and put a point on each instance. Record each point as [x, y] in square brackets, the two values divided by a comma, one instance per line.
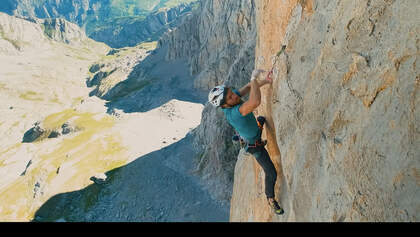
[93, 149]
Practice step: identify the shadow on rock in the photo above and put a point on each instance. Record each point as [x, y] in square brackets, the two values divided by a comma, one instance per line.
[152, 83]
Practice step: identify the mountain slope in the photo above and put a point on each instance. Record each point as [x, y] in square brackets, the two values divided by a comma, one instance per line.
[119, 23]
[59, 138]
[218, 44]
[129, 31]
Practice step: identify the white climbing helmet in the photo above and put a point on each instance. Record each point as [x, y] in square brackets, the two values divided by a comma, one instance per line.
[217, 95]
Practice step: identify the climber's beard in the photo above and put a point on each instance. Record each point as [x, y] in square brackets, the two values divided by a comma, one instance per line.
[230, 105]
[231, 100]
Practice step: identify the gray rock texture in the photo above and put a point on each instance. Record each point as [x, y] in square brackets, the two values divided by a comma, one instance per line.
[132, 30]
[61, 30]
[343, 120]
[116, 23]
[18, 34]
[218, 43]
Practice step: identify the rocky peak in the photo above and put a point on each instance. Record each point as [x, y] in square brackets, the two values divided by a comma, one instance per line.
[63, 31]
[116, 23]
[130, 31]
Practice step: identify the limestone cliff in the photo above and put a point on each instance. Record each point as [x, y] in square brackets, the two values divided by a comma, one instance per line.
[343, 120]
[218, 42]
[118, 23]
[129, 31]
[18, 34]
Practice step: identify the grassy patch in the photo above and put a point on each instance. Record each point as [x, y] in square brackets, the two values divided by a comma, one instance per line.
[55, 121]
[90, 151]
[77, 100]
[148, 45]
[55, 99]
[128, 89]
[174, 3]
[47, 29]
[122, 52]
[15, 146]
[31, 95]
[81, 58]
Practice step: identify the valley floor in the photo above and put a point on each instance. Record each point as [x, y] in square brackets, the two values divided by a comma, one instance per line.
[115, 165]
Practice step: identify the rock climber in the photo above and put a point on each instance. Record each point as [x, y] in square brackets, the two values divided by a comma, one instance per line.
[239, 115]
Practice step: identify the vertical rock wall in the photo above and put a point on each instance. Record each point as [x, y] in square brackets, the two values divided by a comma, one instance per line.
[343, 123]
[218, 42]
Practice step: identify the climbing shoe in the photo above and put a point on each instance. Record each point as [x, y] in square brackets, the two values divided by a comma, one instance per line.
[275, 206]
[236, 138]
[261, 121]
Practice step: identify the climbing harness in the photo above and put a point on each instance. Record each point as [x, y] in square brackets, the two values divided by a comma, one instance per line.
[258, 142]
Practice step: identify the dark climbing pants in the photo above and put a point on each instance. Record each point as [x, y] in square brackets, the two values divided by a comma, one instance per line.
[263, 159]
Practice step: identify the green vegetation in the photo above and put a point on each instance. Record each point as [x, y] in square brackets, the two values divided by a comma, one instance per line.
[139, 7]
[131, 87]
[131, 7]
[47, 29]
[31, 95]
[174, 3]
[123, 12]
[90, 154]
[17, 44]
[129, 50]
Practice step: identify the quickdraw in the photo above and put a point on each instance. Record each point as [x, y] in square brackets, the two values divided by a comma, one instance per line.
[275, 60]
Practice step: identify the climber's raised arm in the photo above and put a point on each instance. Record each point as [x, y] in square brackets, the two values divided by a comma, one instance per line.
[247, 88]
[254, 99]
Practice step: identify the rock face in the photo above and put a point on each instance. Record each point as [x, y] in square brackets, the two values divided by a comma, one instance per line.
[132, 30]
[217, 40]
[342, 117]
[63, 31]
[218, 43]
[72, 10]
[116, 23]
[18, 34]
[115, 67]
